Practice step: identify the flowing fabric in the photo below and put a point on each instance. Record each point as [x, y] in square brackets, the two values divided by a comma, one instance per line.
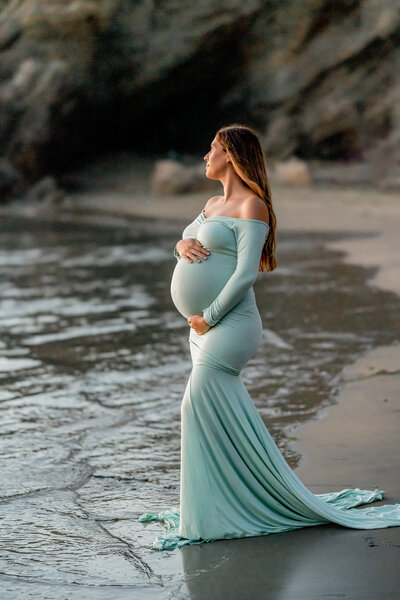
[234, 481]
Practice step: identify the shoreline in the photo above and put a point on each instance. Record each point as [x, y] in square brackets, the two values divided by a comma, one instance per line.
[370, 214]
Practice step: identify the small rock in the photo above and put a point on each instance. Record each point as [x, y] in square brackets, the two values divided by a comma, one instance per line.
[292, 171]
[391, 182]
[173, 177]
[45, 190]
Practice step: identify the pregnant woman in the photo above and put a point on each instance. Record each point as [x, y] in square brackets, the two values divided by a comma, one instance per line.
[234, 480]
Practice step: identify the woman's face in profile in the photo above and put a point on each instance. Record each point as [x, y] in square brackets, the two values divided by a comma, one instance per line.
[216, 160]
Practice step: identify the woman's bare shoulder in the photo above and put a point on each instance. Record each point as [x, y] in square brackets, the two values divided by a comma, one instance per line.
[212, 201]
[255, 208]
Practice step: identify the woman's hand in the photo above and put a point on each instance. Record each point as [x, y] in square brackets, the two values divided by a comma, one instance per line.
[190, 249]
[198, 323]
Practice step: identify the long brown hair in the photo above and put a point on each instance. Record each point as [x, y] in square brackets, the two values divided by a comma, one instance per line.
[249, 163]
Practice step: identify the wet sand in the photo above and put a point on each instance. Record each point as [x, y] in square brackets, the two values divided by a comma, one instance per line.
[358, 439]
[353, 443]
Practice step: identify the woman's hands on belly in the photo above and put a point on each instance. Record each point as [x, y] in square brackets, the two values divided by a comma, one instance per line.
[199, 324]
[191, 248]
[194, 286]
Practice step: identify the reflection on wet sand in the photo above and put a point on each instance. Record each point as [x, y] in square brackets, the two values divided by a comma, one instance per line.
[307, 564]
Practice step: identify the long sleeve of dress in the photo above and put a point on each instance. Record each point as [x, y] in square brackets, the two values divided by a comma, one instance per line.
[250, 238]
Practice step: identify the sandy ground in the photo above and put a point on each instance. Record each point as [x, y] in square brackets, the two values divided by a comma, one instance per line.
[358, 439]
[355, 442]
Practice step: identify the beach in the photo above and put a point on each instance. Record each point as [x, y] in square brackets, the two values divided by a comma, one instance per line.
[351, 440]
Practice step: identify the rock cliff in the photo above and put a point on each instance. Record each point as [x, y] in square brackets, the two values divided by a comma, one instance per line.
[318, 78]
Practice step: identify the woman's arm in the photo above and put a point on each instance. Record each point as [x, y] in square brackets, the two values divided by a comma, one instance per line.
[250, 239]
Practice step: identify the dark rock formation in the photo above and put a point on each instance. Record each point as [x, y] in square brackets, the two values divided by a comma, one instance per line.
[317, 78]
[10, 180]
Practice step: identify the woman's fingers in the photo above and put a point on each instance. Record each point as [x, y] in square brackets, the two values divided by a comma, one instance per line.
[195, 254]
[200, 250]
[200, 330]
[190, 257]
[197, 243]
[194, 251]
[202, 253]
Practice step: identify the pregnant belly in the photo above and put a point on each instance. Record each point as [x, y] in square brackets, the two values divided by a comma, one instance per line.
[195, 285]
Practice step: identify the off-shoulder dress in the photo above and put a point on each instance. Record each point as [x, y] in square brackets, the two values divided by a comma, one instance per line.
[234, 481]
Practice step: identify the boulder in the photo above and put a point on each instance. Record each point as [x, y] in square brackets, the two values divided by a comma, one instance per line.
[173, 177]
[292, 171]
[45, 190]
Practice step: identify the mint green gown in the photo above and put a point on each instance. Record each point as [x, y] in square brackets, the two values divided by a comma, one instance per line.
[234, 481]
